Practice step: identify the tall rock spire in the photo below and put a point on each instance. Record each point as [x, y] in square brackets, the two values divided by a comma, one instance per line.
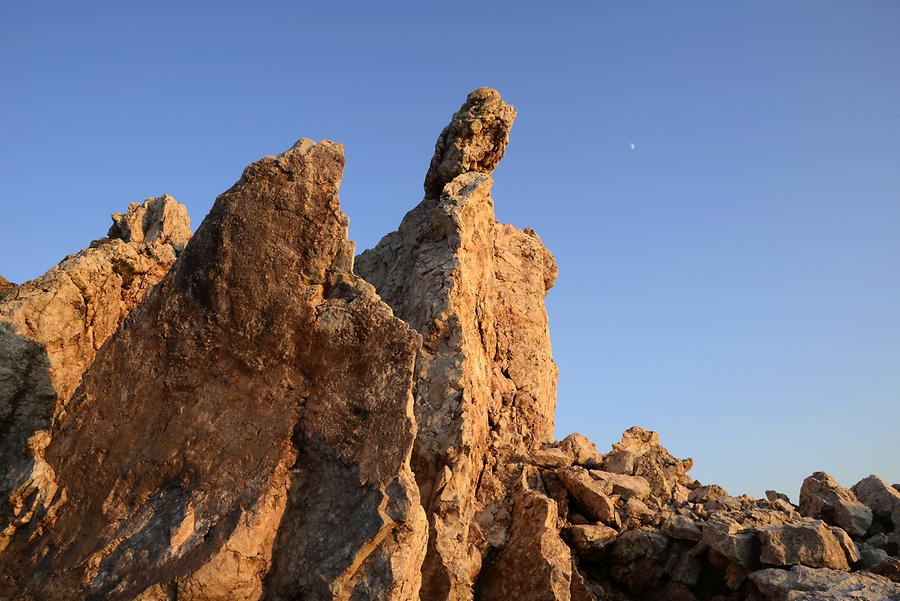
[485, 385]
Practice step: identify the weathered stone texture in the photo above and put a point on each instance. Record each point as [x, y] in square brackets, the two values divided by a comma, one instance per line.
[485, 379]
[50, 331]
[258, 401]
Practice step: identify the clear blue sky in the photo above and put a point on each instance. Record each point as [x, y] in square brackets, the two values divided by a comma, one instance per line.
[732, 283]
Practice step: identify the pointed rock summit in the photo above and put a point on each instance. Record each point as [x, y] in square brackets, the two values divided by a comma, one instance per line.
[485, 382]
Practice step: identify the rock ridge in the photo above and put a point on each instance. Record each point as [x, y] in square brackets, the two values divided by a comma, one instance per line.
[254, 413]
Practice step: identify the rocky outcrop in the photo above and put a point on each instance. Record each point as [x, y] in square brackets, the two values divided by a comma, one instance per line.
[259, 399]
[256, 421]
[50, 331]
[485, 379]
[823, 498]
[5, 287]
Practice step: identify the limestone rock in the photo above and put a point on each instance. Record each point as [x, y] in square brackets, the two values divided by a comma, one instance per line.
[590, 494]
[811, 544]
[581, 450]
[551, 457]
[473, 142]
[50, 331]
[485, 383]
[5, 287]
[821, 497]
[248, 430]
[534, 565]
[591, 539]
[639, 453]
[156, 220]
[807, 584]
[882, 498]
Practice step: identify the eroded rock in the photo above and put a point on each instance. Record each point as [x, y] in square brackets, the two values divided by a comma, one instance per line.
[821, 497]
[50, 331]
[485, 384]
[249, 429]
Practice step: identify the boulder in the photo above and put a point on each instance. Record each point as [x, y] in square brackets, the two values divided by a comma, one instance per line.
[581, 450]
[802, 583]
[882, 498]
[591, 539]
[623, 485]
[810, 543]
[589, 494]
[551, 457]
[639, 453]
[821, 497]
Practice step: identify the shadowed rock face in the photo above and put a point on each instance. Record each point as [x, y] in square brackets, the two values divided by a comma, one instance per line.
[50, 331]
[5, 286]
[259, 397]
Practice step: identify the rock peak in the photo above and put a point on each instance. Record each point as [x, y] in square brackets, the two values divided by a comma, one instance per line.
[161, 220]
[473, 141]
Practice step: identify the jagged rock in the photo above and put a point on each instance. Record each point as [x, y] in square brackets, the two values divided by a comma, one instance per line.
[623, 485]
[581, 450]
[473, 142]
[50, 330]
[802, 583]
[5, 287]
[811, 544]
[535, 564]
[640, 454]
[485, 384]
[590, 494]
[821, 497]
[774, 495]
[734, 541]
[680, 527]
[882, 498]
[259, 399]
[157, 220]
[591, 539]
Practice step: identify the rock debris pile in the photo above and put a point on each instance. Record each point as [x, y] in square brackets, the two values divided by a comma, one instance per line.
[252, 412]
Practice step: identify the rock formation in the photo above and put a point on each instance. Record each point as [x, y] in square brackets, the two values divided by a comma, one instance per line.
[485, 379]
[50, 331]
[254, 420]
[258, 399]
[5, 287]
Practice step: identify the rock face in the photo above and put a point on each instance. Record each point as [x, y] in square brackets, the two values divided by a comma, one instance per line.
[5, 287]
[485, 379]
[50, 331]
[259, 398]
[256, 421]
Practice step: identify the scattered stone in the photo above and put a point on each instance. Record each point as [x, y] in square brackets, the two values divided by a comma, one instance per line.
[589, 494]
[581, 450]
[774, 495]
[623, 485]
[821, 497]
[591, 539]
[551, 457]
[680, 527]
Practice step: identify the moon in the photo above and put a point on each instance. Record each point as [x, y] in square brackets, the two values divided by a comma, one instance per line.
[631, 146]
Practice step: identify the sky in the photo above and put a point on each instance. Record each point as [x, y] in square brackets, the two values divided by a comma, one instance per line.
[732, 282]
